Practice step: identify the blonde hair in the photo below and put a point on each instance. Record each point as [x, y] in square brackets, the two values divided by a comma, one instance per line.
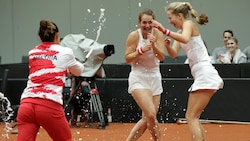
[186, 8]
[234, 40]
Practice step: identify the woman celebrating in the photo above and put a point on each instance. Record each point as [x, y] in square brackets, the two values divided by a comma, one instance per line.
[233, 54]
[41, 101]
[206, 78]
[144, 51]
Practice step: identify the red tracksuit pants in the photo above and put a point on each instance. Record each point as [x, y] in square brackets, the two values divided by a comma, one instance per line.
[32, 116]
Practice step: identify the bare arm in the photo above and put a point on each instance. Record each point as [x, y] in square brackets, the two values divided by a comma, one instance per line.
[130, 49]
[158, 45]
[186, 33]
[131, 54]
[189, 29]
[183, 36]
[174, 50]
[76, 69]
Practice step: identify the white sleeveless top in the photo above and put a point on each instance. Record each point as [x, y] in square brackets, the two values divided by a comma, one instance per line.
[147, 61]
[196, 51]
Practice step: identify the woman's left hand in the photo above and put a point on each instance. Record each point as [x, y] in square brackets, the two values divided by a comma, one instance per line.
[151, 38]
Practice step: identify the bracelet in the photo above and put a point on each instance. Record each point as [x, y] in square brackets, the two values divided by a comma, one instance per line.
[140, 51]
[166, 31]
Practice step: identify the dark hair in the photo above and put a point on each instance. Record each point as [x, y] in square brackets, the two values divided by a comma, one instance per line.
[146, 11]
[47, 30]
[229, 31]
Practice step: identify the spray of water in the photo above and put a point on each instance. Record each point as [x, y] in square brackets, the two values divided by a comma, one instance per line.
[101, 20]
[6, 112]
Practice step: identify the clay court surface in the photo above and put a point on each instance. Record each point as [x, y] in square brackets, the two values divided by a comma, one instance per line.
[170, 132]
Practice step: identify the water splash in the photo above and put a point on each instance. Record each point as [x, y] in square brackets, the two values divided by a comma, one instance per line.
[6, 112]
[101, 20]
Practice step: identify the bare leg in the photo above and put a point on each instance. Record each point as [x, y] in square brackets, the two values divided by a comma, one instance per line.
[137, 131]
[197, 102]
[149, 106]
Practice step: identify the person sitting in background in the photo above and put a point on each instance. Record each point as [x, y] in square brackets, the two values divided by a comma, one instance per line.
[221, 50]
[233, 54]
[246, 51]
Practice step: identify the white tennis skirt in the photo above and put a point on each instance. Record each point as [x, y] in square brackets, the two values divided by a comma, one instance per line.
[205, 77]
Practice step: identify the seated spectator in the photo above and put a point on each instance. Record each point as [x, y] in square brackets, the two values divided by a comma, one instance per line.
[247, 52]
[233, 54]
[221, 50]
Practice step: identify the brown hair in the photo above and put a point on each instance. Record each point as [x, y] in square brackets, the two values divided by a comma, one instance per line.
[146, 11]
[47, 30]
[186, 8]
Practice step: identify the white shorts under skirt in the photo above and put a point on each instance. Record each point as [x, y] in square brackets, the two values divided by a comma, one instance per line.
[145, 80]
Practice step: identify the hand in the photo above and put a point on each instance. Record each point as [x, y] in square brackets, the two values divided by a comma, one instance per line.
[167, 42]
[147, 47]
[158, 25]
[221, 58]
[151, 38]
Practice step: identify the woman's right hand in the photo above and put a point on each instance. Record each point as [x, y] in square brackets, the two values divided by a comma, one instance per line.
[158, 25]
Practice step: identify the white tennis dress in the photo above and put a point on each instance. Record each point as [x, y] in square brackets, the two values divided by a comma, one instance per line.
[145, 71]
[204, 74]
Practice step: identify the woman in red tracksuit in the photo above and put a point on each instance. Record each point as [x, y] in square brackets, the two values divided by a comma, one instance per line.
[41, 101]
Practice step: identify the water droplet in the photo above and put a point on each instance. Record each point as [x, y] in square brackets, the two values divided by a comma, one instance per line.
[139, 4]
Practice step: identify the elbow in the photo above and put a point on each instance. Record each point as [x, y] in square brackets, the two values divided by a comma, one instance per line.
[185, 41]
[77, 71]
[161, 57]
[172, 56]
[127, 61]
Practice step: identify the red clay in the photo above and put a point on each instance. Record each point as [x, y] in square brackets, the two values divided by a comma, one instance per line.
[170, 132]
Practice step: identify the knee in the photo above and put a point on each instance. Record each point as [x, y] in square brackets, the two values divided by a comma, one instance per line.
[151, 116]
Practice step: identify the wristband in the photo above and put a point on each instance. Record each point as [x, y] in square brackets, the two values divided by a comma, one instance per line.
[140, 51]
[166, 31]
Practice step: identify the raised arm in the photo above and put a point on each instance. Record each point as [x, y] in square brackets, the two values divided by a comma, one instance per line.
[158, 45]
